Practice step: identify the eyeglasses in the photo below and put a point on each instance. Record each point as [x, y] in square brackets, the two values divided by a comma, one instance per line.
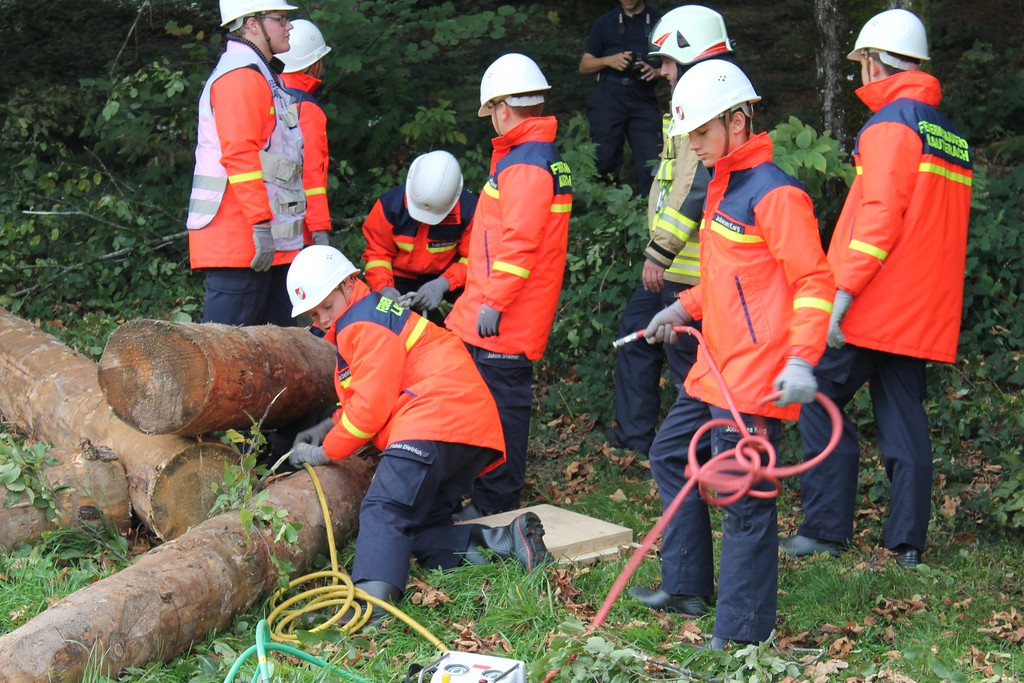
[279, 18]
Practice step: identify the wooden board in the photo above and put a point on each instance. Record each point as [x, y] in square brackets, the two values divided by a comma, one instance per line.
[570, 536]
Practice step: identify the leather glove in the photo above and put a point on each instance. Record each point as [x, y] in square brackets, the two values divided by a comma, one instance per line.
[316, 434]
[390, 293]
[660, 327]
[320, 238]
[304, 452]
[796, 382]
[264, 243]
[429, 295]
[487, 321]
[841, 304]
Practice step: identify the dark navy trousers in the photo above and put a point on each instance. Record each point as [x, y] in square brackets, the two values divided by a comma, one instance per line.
[618, 113]
[407, 511]
[748, 568]
[241, 296]
[638, 368]
[829, 491]
[510, 379]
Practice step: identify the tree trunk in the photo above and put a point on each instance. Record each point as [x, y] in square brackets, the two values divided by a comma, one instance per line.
[185, 378]
[51, 393]
[175, 594]
[89, 487]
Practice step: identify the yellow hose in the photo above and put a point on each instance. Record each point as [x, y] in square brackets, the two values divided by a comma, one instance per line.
[340, 593]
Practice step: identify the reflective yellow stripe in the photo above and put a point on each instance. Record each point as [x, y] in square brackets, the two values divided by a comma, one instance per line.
[416, 333]
[693, 270]
[509, 268]
[345, 382]
[464, 260]
[561, 207]
[860, 170]
[490, 191]
[676, 224]
[316, 190]
[732, 236]
[869, 249]
[945, 173]
[404, 246]
[378, 264]
[244, 177]
[347, 424]
[812, 302]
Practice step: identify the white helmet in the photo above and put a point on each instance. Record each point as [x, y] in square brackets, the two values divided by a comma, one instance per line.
[706, 91]
[510, 76]
[307, 46]
[236, 9]
[316, 271]
[896, 31]
[690, 33]
[433, 186]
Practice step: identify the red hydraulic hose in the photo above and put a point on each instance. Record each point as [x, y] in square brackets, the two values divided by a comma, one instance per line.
[726, 477]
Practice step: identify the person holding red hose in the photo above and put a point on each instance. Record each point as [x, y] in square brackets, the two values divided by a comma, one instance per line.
[898, 255]
[764, 299]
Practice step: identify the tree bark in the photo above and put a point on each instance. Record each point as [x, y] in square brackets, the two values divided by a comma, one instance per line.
[184, 378]
[89, 487]
[175, 594]
[51, 393]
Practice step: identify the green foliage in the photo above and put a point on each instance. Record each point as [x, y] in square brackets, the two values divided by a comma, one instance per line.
[817, 162]
[21, 474]
[239, 489]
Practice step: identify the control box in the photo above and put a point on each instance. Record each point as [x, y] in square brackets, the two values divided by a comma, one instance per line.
[471, 667]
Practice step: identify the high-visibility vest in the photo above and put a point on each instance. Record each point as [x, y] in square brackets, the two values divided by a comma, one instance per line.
[280, 159]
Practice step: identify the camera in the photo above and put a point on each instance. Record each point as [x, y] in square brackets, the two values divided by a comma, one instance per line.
[636, 67]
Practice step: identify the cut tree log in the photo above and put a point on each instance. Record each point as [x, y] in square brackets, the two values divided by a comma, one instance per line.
[50, 393]
[187, 378]
[89, 487]
[173, 596]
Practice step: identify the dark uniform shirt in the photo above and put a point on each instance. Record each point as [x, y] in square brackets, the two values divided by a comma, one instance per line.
[614, 32]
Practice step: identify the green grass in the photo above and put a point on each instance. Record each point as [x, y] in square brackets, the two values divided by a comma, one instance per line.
[957, 617]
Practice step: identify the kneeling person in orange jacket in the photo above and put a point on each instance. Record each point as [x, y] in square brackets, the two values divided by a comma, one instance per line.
[412, 388]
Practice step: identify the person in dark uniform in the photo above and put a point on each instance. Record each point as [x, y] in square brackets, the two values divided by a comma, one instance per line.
[623, 105]
[684, 36]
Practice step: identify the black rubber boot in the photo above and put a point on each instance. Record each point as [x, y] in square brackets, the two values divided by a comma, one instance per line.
[382, 590]
[522, 539]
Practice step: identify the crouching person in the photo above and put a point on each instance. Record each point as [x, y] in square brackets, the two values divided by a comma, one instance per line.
[412, 388]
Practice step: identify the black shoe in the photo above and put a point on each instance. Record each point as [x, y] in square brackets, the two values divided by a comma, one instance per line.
[907, 556]
[468, 512]
[381, 590]
[801, 546]
[522, 539]
[690, 606]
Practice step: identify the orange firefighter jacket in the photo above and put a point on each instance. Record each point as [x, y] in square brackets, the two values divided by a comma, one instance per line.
[402, 377]
[315, 157]
[244, 114]
[519, 239]
[398, 244]
[765, 290]
[901, 241]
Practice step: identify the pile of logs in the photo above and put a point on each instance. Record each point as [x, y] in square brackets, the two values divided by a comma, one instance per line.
[127, 438]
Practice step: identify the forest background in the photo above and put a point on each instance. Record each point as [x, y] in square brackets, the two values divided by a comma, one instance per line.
[98, 118]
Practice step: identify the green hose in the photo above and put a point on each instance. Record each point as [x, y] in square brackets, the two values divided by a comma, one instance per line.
[264, 644]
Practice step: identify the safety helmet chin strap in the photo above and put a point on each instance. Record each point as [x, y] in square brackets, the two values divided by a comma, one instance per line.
[263, 29]
[748, 111]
